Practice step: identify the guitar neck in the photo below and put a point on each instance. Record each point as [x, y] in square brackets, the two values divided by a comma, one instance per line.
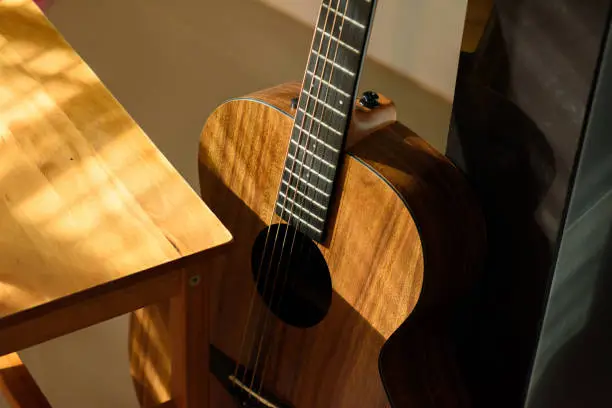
[323, 113]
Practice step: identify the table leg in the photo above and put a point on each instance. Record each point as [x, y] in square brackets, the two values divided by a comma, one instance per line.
[18, 386]
[189, 342]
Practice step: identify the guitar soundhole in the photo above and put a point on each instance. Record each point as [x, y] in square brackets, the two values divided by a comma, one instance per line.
[294, 281]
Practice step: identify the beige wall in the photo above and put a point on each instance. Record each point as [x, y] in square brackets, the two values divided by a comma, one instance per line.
[417, 38]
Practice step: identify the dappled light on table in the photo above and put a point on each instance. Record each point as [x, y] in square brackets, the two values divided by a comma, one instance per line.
[85, 196]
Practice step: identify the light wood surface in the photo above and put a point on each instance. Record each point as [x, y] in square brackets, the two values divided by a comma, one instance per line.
[17, 386]
[74, 312]
[85, 197]
[189, 325]
[167, 404]
[374, 251]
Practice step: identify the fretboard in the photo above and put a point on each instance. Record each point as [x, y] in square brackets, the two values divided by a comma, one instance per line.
[323, 114]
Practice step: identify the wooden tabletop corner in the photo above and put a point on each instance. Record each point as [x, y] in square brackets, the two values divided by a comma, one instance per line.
[85, 196]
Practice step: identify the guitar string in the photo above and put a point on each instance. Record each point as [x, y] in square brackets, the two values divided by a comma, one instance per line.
[316, 143]
[251, 305]
[326, 103]
[312, 166]
[292, 211]
[260, 266]
[324, 106]
[283, 208]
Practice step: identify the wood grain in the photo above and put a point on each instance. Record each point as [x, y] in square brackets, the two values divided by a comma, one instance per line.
[17, 386]
[85, 196]
[167, 404]
[189, 326]
[86, 308]
[150, 349]
[382, 262]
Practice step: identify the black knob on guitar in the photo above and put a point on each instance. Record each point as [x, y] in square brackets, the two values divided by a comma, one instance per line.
[369, 100]
[294, 103]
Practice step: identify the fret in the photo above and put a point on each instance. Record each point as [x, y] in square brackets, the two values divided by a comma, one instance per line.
[340, 29]
[304, 210]
[322, 113]
[320, 122]
[300, 219]
[344, 17]
[322, 93]
[317, 140]
[336, 53]
[323, 103]
[323, 157]
[335, 88]
[328, 164]
[358, 10]
[299, 186]
[313, 171]
[327, 70]
[318, 174]
[315, 213]
[319, 106]
[333, 94]
[306, 197]
[306, 184]
[316, 113]
[339, 41]
[312, 154]
[335, 64]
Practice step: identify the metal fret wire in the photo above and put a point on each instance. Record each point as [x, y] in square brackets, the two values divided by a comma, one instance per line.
[265, 364]
[330, 120]
[266, 316]
[324, 98]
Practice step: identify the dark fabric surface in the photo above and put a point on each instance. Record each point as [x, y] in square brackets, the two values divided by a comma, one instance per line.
[520, 107]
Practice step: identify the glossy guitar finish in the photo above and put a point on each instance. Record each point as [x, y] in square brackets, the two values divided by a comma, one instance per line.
[401, 237]
[405, 240]
[404, 231]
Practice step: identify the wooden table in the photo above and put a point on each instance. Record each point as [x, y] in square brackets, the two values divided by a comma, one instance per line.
[94, 221]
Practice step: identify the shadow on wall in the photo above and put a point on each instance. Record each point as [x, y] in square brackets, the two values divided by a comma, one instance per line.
[172, 63]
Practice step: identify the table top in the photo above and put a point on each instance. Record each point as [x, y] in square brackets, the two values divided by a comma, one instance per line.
[85, 197]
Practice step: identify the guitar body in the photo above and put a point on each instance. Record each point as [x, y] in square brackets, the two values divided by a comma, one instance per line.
[405, 239]
[350, 254]
[404, 234]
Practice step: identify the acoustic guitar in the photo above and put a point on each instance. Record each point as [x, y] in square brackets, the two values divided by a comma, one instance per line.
[353, 239]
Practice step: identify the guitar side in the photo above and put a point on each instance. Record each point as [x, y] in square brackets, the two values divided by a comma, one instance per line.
[405, 237]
